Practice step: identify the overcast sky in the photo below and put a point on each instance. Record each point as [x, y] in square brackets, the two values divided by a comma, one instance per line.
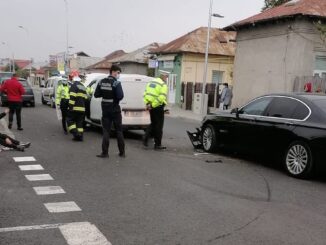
[99, 27]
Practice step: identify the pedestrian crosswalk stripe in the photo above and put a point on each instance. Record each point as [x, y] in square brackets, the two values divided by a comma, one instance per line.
[74, 233]
[83, 233]
[48, 190]
[62, 207]
[30, 167]
[24, 159]
[38, 177]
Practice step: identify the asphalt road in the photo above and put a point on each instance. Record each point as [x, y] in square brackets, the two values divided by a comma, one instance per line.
[177, 196]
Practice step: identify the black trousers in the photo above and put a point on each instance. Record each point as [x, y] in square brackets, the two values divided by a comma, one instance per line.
[156, 127]
[64, 104]
[116, 119]
[15, 107]
[75, 123]
[3, 138]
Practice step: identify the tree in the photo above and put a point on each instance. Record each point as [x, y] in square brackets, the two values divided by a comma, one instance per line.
[9, 67]
[273, 3]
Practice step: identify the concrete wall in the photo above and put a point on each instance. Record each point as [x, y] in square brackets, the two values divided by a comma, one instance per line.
[269, 57]
[81, 62]
[193, 68]
[134, 68]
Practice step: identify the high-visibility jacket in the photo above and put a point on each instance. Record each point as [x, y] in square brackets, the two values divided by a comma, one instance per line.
[77, 94]
[156, 93]
[62, 93]
[89, 92]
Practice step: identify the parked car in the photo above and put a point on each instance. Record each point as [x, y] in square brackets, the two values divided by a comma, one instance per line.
[289, 126]
[28, 97]
[134, 113]
[48, 92]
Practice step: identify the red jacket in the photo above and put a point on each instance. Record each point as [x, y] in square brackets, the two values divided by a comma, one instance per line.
[14, 90]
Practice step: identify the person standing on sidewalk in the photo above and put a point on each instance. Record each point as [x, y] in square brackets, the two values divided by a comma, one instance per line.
[155, 98]
[62, 101]
[9, 142]
[110, 90]
[14, 90]
[226, 96]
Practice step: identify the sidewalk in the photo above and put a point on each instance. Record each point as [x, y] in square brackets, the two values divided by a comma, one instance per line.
[177, 112]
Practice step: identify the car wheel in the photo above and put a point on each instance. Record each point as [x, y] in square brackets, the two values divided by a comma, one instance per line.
[298, 160]
[209, 138]
[43, 101]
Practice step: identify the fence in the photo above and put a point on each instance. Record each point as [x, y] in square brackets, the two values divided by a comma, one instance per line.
[188, 89]
[318, 85]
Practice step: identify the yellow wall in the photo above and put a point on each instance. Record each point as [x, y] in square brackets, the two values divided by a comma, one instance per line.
[193, 68]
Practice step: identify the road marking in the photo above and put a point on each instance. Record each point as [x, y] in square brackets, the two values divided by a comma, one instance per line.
[78, 233]
[48, 190]
[30, 167]
[24, 159]
[30, 228]
[62, 207]
[83, 233]
[204, 153]
[38, 177]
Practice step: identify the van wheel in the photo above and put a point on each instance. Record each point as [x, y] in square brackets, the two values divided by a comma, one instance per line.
[298, 160]
[209, 138]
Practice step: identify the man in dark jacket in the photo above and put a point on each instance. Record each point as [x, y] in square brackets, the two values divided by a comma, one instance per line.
[9, 142]
[110, 90]
[14, 90]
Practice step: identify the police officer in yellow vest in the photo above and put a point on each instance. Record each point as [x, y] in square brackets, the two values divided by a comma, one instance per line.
[77, 93]
[62, 101]
[155, 98]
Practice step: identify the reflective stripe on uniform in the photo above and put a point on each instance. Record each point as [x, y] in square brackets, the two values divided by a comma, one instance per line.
[71, 127]
[82, 95]
[77, 108]
[72, 94]
[80, 130]
[158, 83]
[72, 102]
[106, 88]
[107, 100]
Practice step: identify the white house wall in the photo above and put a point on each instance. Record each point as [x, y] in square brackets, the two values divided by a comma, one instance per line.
[268, 58]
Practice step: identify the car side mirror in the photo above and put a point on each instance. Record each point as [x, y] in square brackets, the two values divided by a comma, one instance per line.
[235, 111]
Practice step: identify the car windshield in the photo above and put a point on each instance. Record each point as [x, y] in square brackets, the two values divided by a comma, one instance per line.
[24, 83]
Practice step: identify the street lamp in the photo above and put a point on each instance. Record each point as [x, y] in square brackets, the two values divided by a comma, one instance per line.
[67, 37]
[30, 66]
[12, 63]
[206, 54]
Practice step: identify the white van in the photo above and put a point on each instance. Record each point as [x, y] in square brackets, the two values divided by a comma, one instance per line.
[134, 113]
[48, 92]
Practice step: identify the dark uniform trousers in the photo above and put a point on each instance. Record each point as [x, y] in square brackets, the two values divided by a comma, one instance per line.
[156, 127]
[75, 124]
[107, 120]
[64, 105]
[15, 107]
[3, 138]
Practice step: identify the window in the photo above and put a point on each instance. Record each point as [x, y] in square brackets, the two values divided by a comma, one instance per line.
[217, 77]
[287, 108]
[256, 107]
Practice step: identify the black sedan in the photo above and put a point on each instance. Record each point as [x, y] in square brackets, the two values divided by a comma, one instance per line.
[289, 126]
[28, 97]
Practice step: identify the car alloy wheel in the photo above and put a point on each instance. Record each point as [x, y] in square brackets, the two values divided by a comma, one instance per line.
[208, 138]
[298, 160]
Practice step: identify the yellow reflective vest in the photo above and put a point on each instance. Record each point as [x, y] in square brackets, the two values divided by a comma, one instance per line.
[156, 93]
[62, 93]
